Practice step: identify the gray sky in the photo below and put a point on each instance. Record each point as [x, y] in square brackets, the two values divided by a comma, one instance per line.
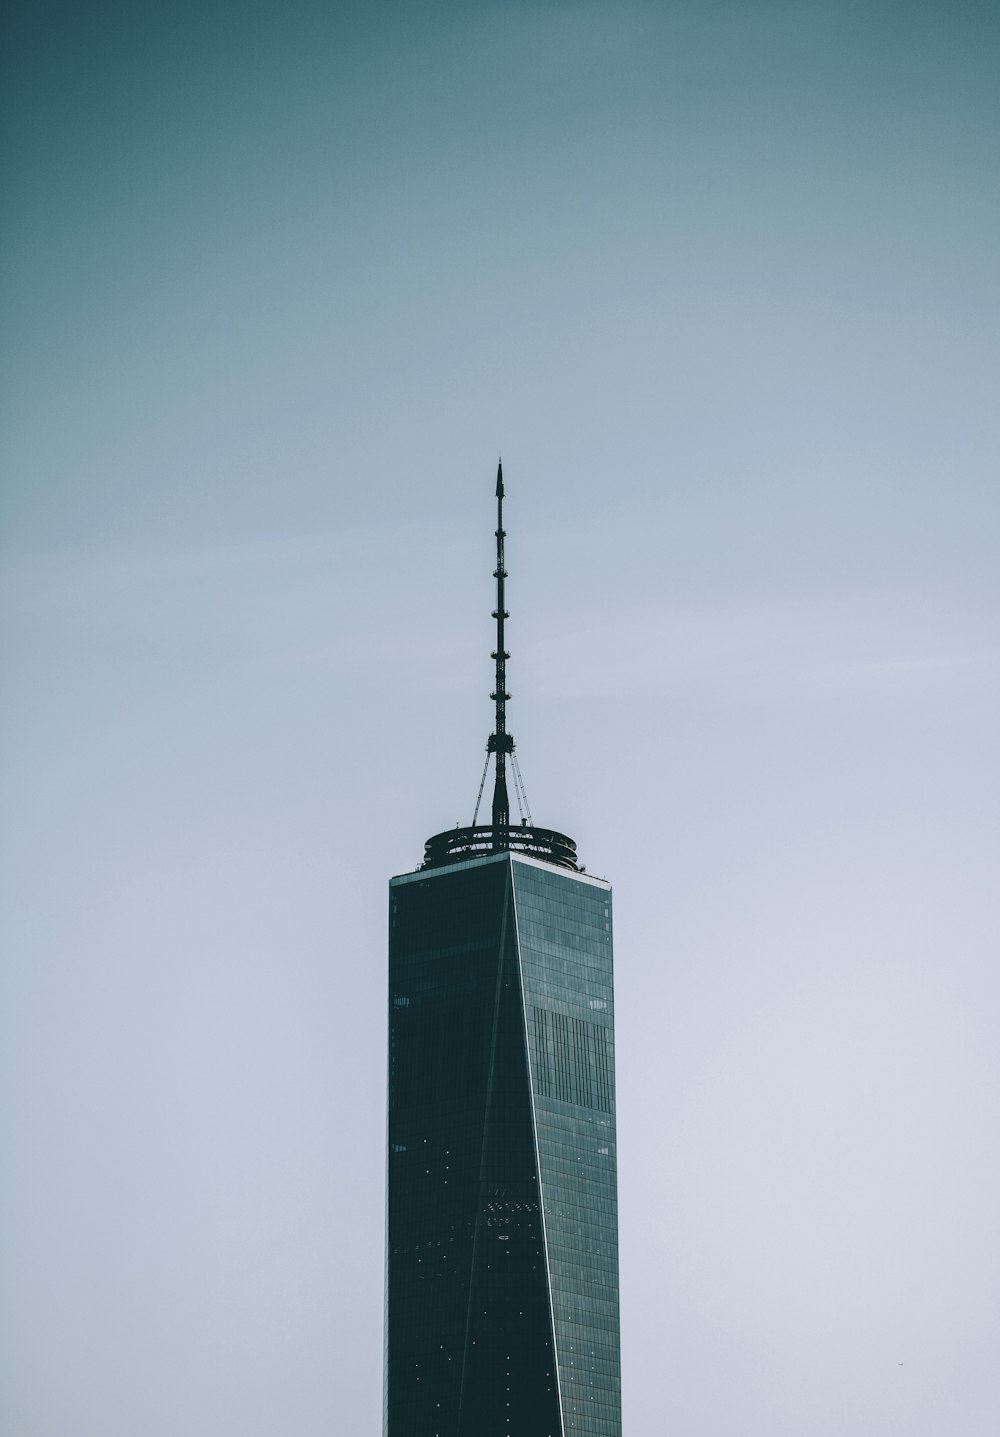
[721, 282]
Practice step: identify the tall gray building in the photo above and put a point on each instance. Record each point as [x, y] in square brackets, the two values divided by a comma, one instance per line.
[502, 1226]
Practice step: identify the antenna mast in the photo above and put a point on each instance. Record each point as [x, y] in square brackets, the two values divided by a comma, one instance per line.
[500, 741]
[459, 845]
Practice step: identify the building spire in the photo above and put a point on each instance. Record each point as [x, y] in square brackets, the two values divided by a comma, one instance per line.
[500, 741]
[458, 844]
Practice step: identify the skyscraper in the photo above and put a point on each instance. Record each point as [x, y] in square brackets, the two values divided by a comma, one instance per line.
[502, 1229]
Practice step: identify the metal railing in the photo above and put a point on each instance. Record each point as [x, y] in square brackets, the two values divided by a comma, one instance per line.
[459, 844]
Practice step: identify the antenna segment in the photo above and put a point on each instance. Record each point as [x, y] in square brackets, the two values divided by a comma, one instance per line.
[500, 741]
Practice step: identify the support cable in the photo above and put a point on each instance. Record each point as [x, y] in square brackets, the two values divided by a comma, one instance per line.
[517, 790]
[482, 785]
[520, 790]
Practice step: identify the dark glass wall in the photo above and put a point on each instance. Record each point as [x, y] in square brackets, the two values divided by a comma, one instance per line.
[475, 1267]
[564, 933]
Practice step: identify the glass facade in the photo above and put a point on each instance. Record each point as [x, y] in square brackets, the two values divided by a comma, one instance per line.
[502, 1253]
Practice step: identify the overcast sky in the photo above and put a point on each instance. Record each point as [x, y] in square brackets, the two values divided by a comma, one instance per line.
[280, 281]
